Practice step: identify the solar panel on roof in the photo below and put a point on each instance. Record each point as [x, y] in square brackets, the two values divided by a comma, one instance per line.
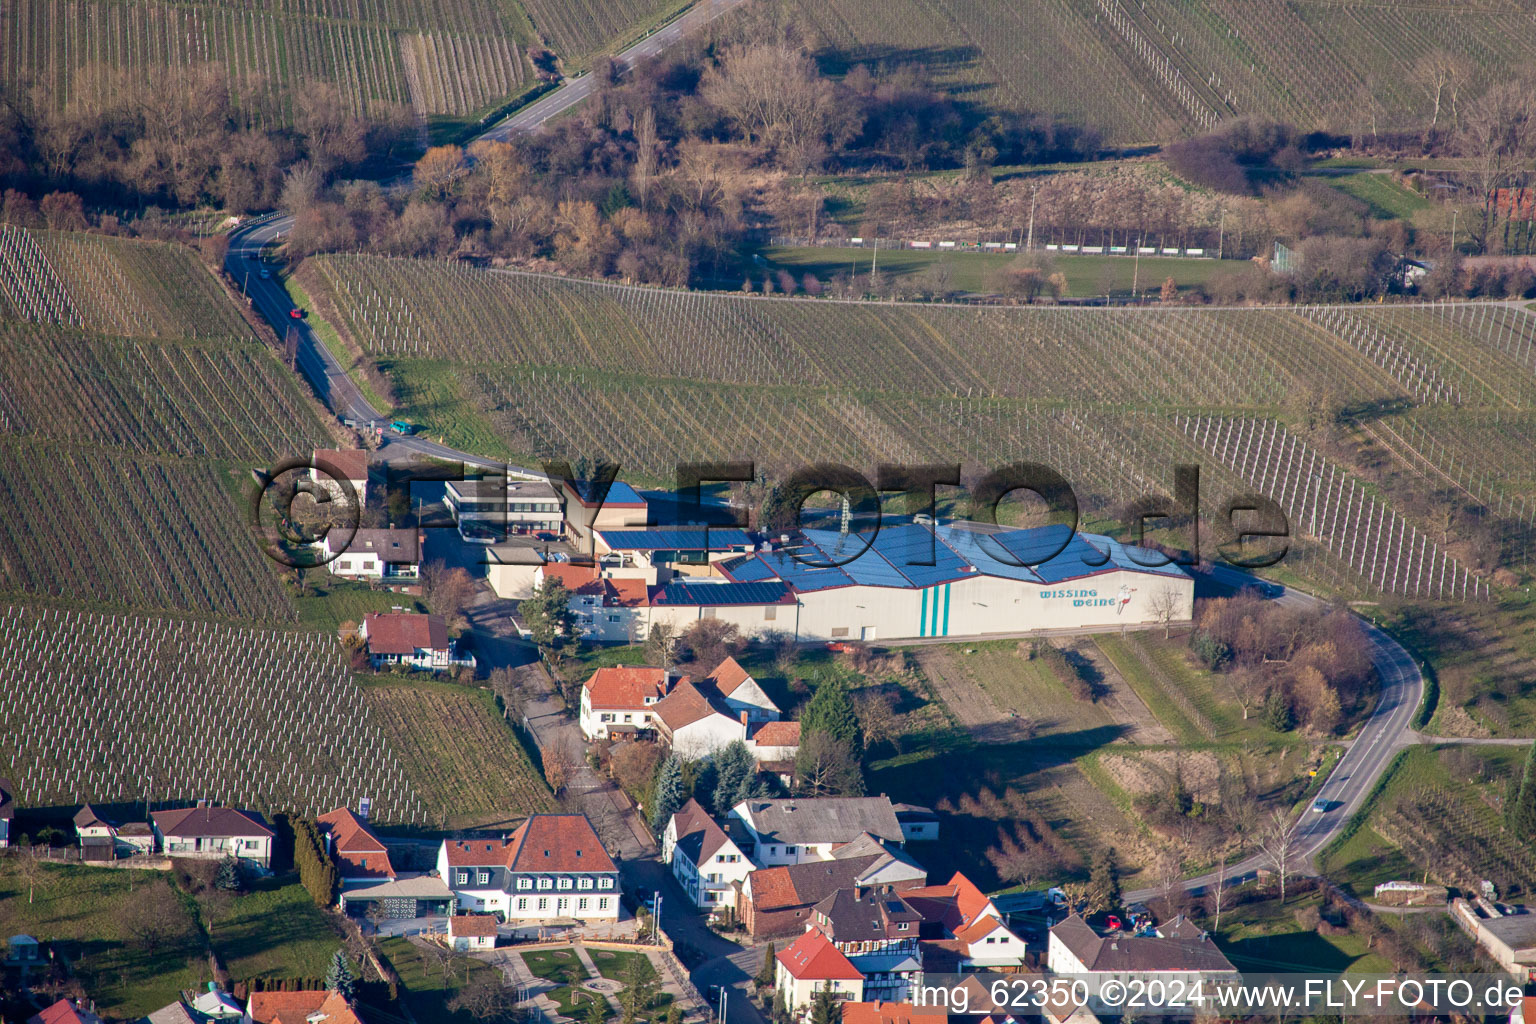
[680, 593]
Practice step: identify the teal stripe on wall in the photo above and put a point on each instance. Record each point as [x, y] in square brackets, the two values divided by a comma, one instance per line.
[946, 610]
[922, 617]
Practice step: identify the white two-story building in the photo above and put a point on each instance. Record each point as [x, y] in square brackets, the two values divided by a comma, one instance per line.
[553, 866]
[705, 861]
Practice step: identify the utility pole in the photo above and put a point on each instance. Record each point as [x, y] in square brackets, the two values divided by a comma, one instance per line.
[1221, 234]
[1454, 215]
[1136, 273]
[1030, 246]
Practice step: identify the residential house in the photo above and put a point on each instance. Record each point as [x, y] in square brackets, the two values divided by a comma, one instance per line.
[553, 866]
[964, 931]
[796, 830]
[1506, 933]
[349, 464]
[310, 1006]
[392, 556]
[214, 1004]
[173, 1013]
[413, 639]
[98, 836]
[697, 718]
[468, 932]
[7, 811]
[776, 901]
[705, 861]
[493, 508]
[812, 964]
[605, 609]
[214, 832]
[1178, 950]
[135, 839]
[893, 1013]
[878, 932]
[65, 1011]
[918, 824]
[619, 701]
[360, 857]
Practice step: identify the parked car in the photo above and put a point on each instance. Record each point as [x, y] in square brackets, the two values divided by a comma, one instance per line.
[297, 313]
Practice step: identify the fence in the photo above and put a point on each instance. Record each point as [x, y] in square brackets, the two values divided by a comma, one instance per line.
[919, 245]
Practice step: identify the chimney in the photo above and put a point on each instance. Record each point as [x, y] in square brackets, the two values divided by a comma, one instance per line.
[744, 722]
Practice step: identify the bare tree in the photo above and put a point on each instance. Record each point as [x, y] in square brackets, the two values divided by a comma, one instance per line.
[775, 96]
[558, 766]
[877, 716]
[32, 872]
[1277, 841]
[1497, 136]
[646, 155]
[1165, 602]
[1219, 894]
[1440, 75]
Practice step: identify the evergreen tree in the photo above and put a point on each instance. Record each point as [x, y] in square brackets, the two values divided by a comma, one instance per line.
[339, 977]
[1277, 712]
[831, 711]
[1104, 881]
[548, 615]
[826, 1008]
[734, 766]
[769, 970]
[228, 877]
[1520, 807]
[597, 1010]
[670, 795]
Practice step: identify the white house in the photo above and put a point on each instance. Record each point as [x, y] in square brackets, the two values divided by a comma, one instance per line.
[1179, 949]
[409, 638]
[360, 856]
[553, 866]
[350, 464]
[813, 964]
[918, 824]
[705, 861]
[389, 555]
[797, 830]
[619, 701]
[467, 932]
[214, 832]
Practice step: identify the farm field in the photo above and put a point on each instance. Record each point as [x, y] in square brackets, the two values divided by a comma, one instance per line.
[978, 272]
[457, 752]
[579, 30]
[251, 717]
[455, 58]
[1439, 811]
[1141, 71]
[93, 909]
[1238, 391]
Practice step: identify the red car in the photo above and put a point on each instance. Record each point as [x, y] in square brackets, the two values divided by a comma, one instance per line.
[297, 314]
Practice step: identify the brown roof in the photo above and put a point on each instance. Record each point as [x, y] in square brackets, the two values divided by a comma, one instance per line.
[299, 1007]
[578, 579]
[397, 547]
[354, 846]
[545, 842]
[217, 822]
[404, 632]
[853, 915]
[778, 734]
[686, 704]
[7, 799]
[472, 925]
[1123, 953]
[728, 675]
[956, 903]
[87, 817]
[625, 688]
[348, 463]
[803, 885]
[698, 836]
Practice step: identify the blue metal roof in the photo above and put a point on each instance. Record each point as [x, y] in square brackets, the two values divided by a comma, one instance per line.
[801, 576]
[1126, 556]
[619, 493]
[682, 592]
[722, 539]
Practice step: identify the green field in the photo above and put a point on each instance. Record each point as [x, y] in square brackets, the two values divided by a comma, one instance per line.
[979, 272]
[461, 757]
[426, 987]
[275, 931]
[1384, 196]
[1266, 937]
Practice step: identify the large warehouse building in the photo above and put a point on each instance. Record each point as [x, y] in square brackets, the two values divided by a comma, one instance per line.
[916, 580]
[962, 579]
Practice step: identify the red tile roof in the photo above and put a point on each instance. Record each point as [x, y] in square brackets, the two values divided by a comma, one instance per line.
[624, 593]
[404, 632]
[778, 734]
[728, 675]
[221, 822]
[299, 1007]
[956, 903]
[892, 1013]
[578, 579]
[347, 463]
[813, 957]
[354, 846]
[63, 1012]
[471, 925]
[545, 842]
[625, 688]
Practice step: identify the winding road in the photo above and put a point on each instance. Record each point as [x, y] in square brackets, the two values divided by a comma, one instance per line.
[1402, 686]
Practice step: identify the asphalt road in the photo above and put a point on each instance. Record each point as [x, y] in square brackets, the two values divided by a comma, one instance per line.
[1383, 735]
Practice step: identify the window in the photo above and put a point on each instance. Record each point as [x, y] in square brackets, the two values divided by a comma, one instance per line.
[770, 612]
[522, 903]
[525, 883]
[605, 717]
[902, 926]
[789, 851]
[483, 878]
[461, 878]
[543, 903]
[713, 877]
[605, 883]
[563, 903]
[840, 631]
[602, 903]
[546, 883]
[991, 939]
[565, 883]
[583, 883]
[613, 618]
[581, 904]
[628, 718]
